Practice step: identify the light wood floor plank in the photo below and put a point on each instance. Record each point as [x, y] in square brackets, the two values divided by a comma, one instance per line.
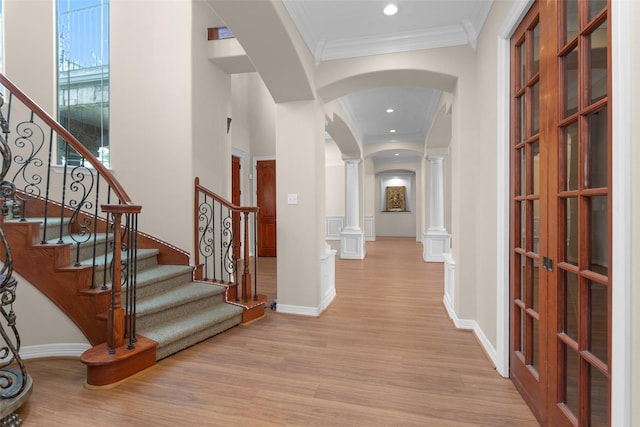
[383, 354]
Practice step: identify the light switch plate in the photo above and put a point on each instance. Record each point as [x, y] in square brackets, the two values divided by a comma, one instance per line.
[292, 199]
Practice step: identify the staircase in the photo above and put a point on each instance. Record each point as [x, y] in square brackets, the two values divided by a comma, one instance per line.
[136, 299]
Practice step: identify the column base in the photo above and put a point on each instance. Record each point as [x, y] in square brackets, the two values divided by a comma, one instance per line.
[435, 245]
[352, 244]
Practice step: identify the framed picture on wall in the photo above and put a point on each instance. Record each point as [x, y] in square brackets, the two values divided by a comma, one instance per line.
[396, 198]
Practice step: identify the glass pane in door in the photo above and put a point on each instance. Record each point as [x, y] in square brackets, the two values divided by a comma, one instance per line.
[598, 63]
[571, 231]
[570, 91]
[599, 325]
[599, 245]
[572, 379]
[571, 302]
[535, 108]
[599, 393]
[598, 149]
[570, 20]
[535, 63]
[523, 171]
[571, 157]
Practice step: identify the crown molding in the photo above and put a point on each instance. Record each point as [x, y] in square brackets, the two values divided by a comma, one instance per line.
[446, 36]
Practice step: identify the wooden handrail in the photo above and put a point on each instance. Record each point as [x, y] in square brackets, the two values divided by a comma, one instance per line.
[70, 139]
[222, 200]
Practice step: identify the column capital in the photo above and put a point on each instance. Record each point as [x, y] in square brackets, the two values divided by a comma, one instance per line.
[352, 161]
[437, 152]
[436, 158]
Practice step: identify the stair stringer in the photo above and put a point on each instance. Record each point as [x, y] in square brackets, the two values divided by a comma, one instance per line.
[65, 285]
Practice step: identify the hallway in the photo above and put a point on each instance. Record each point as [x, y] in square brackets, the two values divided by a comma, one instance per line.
[383, 354]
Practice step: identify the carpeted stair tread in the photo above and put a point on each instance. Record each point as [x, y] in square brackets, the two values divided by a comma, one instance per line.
[176, 297]
[192, 328]
[161, 272]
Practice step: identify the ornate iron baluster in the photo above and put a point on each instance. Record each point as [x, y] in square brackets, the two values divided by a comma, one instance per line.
[82, 183]
[15, 384]
[207, 236]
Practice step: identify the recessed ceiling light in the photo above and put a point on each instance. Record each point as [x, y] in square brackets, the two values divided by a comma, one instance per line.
[389, 110]
[390, 9]
[392, 131]
[397, 154]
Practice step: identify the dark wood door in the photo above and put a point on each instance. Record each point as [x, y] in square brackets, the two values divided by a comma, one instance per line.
[266, 201]
[561, 213]
[528, 207]
[236, 200]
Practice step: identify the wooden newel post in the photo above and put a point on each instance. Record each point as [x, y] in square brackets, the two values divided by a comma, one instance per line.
[115, 323]
[246, 275]
[116, 319]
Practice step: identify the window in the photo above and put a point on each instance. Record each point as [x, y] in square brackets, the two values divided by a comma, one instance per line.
[83, 75]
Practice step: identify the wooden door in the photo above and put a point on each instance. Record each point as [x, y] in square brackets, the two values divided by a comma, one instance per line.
[528, 206]
[560, 231]
[236, 200]
[266, 201]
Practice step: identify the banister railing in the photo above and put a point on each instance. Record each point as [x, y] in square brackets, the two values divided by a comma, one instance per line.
[80, 204]
[220, 229]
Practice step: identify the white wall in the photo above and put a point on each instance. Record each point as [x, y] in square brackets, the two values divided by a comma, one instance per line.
[262, 118]
[480, 179]
[210, 106]
[335, 181]
[634, 357]
[300, 151]
[151, 110]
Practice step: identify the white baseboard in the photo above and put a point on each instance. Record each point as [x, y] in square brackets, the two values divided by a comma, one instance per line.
[327, 299]
[308, 311]
[299, 310]
[53, 350]
[472, 325]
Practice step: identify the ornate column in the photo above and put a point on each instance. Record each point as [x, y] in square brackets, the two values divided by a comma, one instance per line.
[436, 240]
[352, 236]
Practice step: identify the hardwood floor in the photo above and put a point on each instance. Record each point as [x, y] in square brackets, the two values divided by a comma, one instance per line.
[383, 354]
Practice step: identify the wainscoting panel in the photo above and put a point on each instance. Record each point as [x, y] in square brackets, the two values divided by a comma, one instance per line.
[334, 225]
[369, 229]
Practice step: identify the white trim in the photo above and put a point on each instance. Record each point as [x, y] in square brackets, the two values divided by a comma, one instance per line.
[369, 228]
[333, 227]
[328, 299]
[472, 325]
[299, 310]
[517, 12]
[457, 322]
[621, 215]
[53, 350]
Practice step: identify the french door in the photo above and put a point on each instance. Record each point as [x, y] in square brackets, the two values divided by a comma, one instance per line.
[561, 212]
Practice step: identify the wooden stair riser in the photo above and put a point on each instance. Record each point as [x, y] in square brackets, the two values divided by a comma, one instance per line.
[97, 247]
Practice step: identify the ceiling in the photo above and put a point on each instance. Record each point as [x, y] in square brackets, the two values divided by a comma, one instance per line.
[338, 29]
